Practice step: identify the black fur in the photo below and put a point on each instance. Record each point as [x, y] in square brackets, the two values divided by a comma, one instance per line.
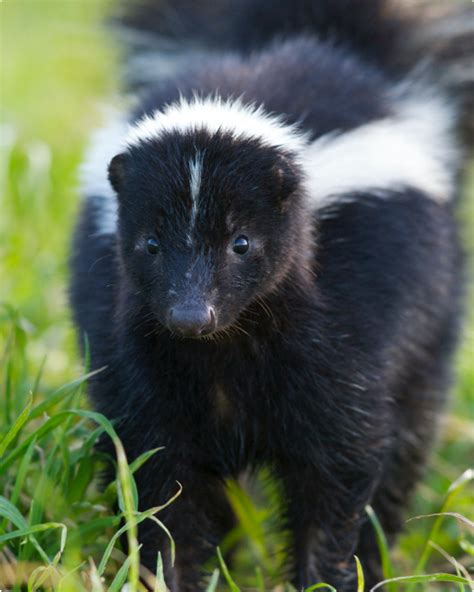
[367, 27]
[330, 361]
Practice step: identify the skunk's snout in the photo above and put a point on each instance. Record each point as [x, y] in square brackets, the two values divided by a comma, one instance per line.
[191, 320]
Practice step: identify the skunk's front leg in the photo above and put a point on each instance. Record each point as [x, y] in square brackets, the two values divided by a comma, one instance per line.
[197, 519]
[330, 462]
[325, 513]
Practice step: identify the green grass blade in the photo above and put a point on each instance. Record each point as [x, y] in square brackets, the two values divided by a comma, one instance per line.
[128, 489]
[42, 578]
[459, 518]
[424, 579]
[142, 459]
[38, 377]
[467, 546]
[11, 513]
[120, 577]
[249, 520]
[20, 477]
[16, 427]
[259, 581]
[160, 585]
[360, 575]
[382, 543]
[81, 480]
[59, 394]
[110, 546]
[212, 587]
[69, 582]
[45, 490]
[225, 572]
[167, 532]
[8, 392]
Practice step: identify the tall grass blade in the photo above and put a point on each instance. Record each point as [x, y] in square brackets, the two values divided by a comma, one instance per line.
[459, 517]
[143, 458]
[120, 577]
[20, 477]
[424, 579]
[16, 427]
[212, 587]
[360, 575]
[382, 543]
[160, 585]
[59, 394]
[225, 572]
[259, 580]
[320, 586]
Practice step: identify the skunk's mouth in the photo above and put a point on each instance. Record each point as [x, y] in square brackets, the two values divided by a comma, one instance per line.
[194, 338]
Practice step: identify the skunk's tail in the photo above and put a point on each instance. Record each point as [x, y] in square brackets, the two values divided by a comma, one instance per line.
[395, 35]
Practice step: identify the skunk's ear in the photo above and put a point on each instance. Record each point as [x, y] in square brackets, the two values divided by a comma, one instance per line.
[287, 178]
[117, 169]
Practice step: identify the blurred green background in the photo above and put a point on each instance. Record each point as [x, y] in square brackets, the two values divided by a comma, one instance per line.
[58, 71]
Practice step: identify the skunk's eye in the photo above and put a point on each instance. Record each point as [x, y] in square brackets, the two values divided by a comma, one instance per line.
[152, 246]
[241, 245]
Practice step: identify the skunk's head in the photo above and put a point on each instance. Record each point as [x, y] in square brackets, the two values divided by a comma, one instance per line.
[209, 218]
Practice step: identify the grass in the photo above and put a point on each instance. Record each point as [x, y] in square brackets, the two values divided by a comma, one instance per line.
[57, 529]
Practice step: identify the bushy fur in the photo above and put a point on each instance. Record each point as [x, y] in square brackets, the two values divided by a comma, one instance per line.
[330, 359]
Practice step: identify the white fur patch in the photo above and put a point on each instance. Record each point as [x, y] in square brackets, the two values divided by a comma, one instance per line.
[105, 144]
[413, 148]
[195, 174]
[216, 115]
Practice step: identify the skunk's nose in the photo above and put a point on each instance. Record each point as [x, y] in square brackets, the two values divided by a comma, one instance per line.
[191, 321]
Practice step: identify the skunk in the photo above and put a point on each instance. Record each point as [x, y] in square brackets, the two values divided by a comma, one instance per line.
[267, 265]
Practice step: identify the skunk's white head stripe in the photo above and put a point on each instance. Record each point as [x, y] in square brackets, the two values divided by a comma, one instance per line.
[195, 174]
[413, 148]
[214, 115]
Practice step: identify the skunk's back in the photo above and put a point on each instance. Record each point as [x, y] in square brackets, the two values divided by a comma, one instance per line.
[368, 26]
